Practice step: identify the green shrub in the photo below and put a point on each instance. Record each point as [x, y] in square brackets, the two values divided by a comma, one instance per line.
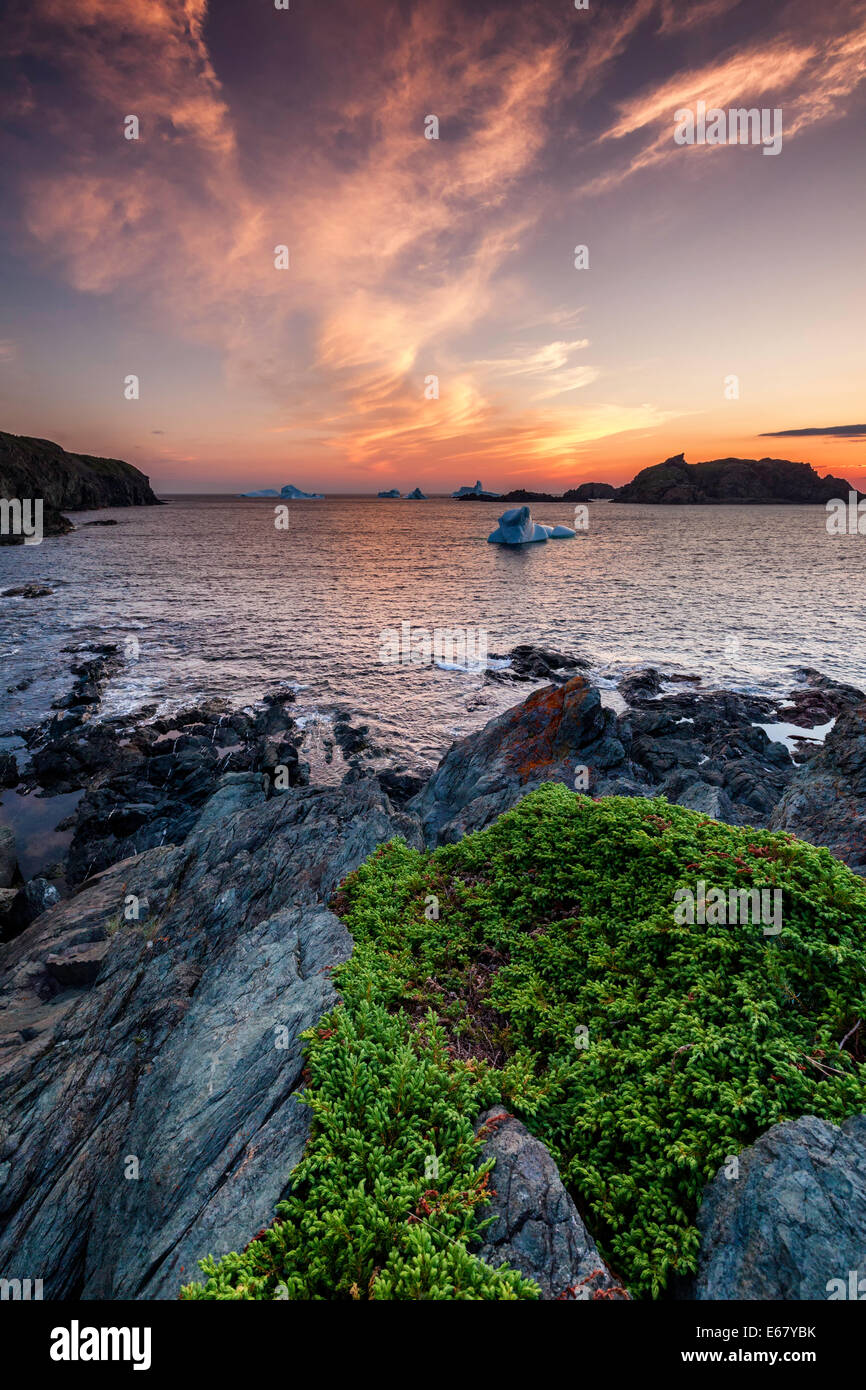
[557, 979]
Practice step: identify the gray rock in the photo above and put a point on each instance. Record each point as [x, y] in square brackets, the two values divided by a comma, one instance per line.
[710, 801]
[8, 856]
[536, 1227]
[825, 802]
[541, 740]
[179, 1055]
[792, 1221]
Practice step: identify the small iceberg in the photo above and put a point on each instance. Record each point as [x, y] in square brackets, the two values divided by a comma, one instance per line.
[416, 496]
[476, 491]
[516, 527]
[265, 492]
[394, 492]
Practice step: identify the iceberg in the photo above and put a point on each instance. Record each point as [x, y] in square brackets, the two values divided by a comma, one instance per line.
[296, 495]
[416, 496]
[476, 491]
[290, 492]
[395, 492]
[516, 527]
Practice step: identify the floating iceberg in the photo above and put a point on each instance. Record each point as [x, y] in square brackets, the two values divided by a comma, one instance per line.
[416, 496]
[296, 495]
[395, 492]
[289, 492]
[516, 527]
[476, 491]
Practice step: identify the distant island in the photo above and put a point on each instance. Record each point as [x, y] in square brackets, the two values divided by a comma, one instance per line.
[731, 480]
[38, 468]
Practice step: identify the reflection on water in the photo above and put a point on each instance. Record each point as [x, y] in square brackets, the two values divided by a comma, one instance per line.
[225, 605]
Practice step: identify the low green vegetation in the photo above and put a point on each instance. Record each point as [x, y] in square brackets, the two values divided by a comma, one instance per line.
[541, 963]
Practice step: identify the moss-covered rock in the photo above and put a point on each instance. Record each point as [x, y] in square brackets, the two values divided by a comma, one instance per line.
[543, 963]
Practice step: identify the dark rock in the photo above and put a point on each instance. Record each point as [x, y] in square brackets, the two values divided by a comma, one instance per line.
[400, 787]
[68, 482]
[520, 494]
[825, 801]
[184, 1052]
[792, 1221]
[643, 685]
[589, 492]
[531, 663]
[731, 480]
[536, 1227]
[8, 857]
[28, 591]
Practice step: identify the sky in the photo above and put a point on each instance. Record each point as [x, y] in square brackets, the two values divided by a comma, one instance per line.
[431, 327]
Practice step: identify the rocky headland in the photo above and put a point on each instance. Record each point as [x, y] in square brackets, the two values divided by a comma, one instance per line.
[37, 468]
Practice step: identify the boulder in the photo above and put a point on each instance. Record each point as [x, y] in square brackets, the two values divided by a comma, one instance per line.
[792, 1224]
[541, 740]
[536, 1227]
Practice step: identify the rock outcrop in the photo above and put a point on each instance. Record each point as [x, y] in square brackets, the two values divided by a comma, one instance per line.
[539, 741]
[731, 480]
[792, 1223]
[536, 1227]
[825, 802]
[37, 468]
[151, 1063]
[590, 492]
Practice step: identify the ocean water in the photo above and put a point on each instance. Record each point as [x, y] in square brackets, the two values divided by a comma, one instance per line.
[221, 603]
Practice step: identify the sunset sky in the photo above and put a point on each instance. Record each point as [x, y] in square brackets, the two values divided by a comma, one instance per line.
[413, 257]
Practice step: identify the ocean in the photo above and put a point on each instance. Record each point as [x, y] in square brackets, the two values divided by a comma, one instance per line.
[210, 599]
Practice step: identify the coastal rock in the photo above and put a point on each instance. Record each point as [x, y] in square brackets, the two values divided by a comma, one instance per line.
[68, 482]
[731, 480]
[8, 770]
[541, 740]
[590, 492]
[28, 591]
[536, 1228]
[791, 1224]
[531, 663]
[8, 857]
[152, 1063]
[825, 801]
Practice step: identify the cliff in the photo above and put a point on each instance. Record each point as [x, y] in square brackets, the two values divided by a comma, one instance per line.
[731, 480]
[33, 468]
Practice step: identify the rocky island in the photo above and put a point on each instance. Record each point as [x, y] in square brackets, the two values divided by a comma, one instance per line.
[731, 480]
